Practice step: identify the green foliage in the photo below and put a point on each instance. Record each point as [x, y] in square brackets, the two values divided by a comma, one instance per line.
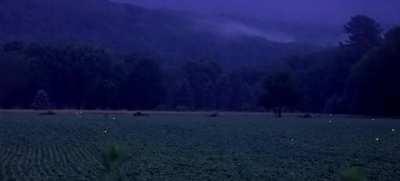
[113, 156]
[353, 174]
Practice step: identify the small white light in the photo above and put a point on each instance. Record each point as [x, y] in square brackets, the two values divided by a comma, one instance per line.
[105, 131]
[393, 130]
[373, 119]
[330, 121]
[377, 139]
[113, 118]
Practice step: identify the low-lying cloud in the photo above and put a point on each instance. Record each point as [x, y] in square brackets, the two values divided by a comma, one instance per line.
[240, 29]
[333, 12]
[235, 29]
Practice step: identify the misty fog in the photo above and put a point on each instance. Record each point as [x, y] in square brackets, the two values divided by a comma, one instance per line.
[334, 12]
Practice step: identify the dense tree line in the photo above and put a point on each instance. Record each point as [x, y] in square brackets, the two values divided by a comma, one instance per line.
[84, 77]
[359, 76]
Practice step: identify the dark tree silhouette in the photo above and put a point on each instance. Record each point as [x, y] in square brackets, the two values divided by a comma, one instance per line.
[363, 33]
[280, 93]
[41, 100]
[373, 87]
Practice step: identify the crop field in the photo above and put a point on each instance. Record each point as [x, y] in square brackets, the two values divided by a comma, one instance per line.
[193, 146]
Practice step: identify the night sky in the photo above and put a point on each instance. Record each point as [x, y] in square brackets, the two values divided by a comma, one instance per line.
[308, 11]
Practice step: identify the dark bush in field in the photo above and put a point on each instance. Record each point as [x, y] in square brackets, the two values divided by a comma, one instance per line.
[214, 115]
[47, 113]
[140, 114]
[306, 116]
[41, 100]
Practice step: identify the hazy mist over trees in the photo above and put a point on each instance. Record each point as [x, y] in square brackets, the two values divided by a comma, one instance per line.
[97, 54]
[306, 11]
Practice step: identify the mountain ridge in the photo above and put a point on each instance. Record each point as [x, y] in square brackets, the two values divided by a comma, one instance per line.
[169, 35]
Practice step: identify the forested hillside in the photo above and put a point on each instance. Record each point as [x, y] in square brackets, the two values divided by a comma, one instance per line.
[95, 54]
[168, 35]
[75, 76]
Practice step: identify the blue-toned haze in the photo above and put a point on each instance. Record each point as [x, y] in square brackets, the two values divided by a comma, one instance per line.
[308, 11]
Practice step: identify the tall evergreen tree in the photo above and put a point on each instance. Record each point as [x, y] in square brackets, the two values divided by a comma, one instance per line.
[363, 33]
[373, 87]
